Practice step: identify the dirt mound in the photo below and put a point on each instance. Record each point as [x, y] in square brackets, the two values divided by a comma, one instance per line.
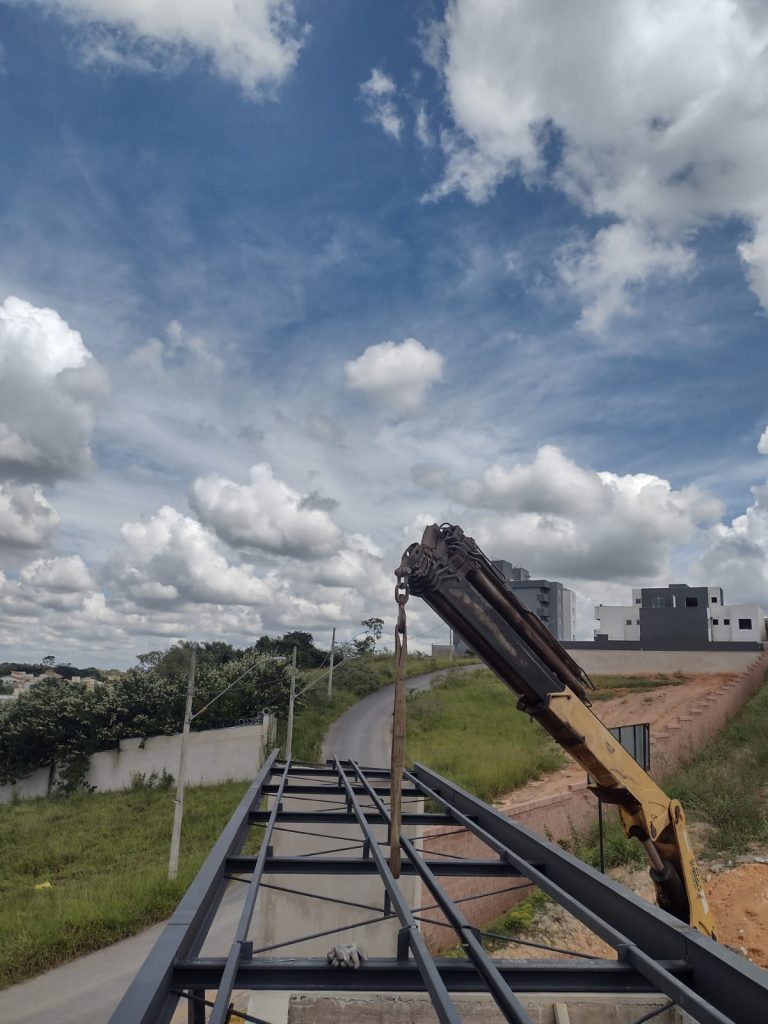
[739, 900]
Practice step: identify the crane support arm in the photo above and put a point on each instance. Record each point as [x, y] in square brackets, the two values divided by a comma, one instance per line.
[453, 576]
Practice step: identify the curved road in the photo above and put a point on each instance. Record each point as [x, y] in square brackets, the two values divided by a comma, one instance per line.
[364, 733]
[86, 990]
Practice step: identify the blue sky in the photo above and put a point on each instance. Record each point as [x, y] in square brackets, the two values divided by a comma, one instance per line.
[219, 226]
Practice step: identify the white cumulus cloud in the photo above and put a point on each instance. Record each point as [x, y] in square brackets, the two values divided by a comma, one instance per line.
[265, 513]
[64, 573]
[173, 555]
[396, 375]
[558, 518]
[648, 114]
[762, 444]
[50, 387]
[736, 556]
[27, 519]
[254, 43]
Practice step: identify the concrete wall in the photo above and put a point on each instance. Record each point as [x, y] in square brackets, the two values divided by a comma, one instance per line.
[630, 663]
[213, 756]
[343, 1008]
[575, 809]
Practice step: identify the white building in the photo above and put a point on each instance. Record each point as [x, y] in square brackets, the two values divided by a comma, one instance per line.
[678, 612]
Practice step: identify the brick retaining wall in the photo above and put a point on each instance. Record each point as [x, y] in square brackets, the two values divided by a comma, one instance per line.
[575, 809]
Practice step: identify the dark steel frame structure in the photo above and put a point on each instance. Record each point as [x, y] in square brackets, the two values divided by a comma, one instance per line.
[656, 953]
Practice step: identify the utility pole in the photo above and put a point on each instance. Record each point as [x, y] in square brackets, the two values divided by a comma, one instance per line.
[330, 672]
[178, 810]
[450, 645]
[291, 701]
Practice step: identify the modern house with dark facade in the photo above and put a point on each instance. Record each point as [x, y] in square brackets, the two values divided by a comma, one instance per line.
[553, 603]
[681, 617]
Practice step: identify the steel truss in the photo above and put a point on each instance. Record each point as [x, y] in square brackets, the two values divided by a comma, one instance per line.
[656, 953]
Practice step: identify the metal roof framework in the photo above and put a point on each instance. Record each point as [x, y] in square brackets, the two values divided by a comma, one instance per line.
[656, 953]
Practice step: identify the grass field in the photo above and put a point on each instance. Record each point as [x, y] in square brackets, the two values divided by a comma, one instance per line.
[469, 729]
[726, 785]
[106, 859]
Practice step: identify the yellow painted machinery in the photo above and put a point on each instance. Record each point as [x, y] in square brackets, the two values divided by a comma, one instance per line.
[453, 576]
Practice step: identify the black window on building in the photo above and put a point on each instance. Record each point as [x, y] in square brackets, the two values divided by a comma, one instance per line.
[629, 622]
[714, 600]
[726, 622]
[745, 623]
[691, 602]
[715, 622]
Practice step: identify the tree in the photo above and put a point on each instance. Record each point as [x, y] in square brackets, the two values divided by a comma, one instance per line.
[48, 661]
[367, 645]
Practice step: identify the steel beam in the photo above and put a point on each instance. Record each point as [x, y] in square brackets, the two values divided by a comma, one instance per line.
[722, 985]
[503, 996]
[383, 974]
[318, 864]
[345, 818]
[149, 999]
[413, 939]
[321, 790]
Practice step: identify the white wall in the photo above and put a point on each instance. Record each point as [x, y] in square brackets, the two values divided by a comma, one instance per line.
[613, 619]
[217, 755]
[733, 613]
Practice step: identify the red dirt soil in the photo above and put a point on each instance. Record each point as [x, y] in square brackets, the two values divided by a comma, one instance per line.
[658, 706]
[739, 897]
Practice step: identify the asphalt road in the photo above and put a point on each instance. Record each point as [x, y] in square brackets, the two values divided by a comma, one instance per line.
[364, 733]
[87, 990]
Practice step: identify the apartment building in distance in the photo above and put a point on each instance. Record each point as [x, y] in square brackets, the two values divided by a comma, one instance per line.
[552, 602]
[681, 616]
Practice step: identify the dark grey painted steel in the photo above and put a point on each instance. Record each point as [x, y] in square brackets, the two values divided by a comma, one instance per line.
[149, 999]
[502, 994]
[730, 986]
[240, 947]
[308, 974]
[446, 1011]
[657, 953]
[320, 864]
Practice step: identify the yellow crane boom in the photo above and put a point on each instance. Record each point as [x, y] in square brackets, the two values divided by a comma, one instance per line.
[453, 576]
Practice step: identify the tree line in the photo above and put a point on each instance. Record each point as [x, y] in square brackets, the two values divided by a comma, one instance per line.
[60, 724]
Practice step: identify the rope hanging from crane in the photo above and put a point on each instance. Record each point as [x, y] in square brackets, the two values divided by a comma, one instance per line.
[398, 727]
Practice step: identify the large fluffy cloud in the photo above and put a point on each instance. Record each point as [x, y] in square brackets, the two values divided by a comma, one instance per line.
[27, 519]
[396, 375]
[50, 385]
[255, 44]
[736, 556]
[265, 513]
[171, 556]
[558, 518]
[648, 114]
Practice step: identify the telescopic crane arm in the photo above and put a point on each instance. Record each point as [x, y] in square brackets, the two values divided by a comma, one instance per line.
[453, 576]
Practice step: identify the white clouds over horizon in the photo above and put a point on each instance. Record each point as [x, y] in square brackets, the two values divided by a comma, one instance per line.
[654, 110]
